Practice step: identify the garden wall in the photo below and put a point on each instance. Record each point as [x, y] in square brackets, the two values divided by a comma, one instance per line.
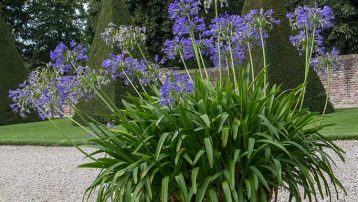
[344, 83]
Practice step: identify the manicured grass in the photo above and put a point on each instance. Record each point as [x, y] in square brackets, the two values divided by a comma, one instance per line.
[346, 127]
[44, 133]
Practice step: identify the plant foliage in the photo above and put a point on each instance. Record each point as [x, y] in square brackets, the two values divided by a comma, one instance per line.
[217, 144]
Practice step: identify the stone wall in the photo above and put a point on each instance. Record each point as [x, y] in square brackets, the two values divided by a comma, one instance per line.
[344, 83]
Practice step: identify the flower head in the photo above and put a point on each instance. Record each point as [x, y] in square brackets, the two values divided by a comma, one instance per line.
[310, 22]
[123, 36]
[185, 15]
[209, 3]
[307, 17]
[177, 85]
[65, 58]
[177, 46]
[326, 61]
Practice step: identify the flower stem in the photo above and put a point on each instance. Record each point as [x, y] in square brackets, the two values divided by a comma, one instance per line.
[232, 65]
[251, 61]
[186, 68]
[328, 91]
[309, 52]
[197, 55]
[264, 56]
[130, 81]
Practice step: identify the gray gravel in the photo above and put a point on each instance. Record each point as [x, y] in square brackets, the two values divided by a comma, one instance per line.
[42, 174]
[39, 174]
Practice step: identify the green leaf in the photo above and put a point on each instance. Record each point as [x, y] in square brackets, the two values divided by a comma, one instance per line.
[201, 194]
[227, 191]
[160, 145]
[224, 116]
[198, 155]
[194, 175]
[260, 176]
[213, 196]
[248, 188]
[224, 136]
[235, 131]
[206, 119]
[209, 151]
[182, 186]
[165, 183]
[250, 147]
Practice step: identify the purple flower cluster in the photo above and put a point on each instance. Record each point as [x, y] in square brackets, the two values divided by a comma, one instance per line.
[310, 22]
[120, 66]
[325, 61]
[177, 46]
[65, 58]
[307, 17]
[177, 85]
[61, 83]
[32, 95]
[123, 36]
[185, 14]
[232, 31]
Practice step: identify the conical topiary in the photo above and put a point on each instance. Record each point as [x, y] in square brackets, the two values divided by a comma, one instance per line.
[112, 11]
[286, 67]
[12, 72]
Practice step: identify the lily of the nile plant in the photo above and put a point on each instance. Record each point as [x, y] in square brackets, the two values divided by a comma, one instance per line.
[189, 139]
[309, 22]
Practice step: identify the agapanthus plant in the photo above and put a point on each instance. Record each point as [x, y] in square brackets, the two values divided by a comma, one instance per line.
[191, 140]
[309, 22]
[61, 83]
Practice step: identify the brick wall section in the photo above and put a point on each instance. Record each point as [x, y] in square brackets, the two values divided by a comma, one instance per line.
[344, 83]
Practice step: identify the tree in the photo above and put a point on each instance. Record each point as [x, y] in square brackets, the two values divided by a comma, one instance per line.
[12, 72]
[39, 25]
[286, 67]
[112, 11]
[94, 8]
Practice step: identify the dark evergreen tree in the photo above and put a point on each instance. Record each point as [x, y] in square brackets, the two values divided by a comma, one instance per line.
[112, 11]
[12, 72]
[286, 67]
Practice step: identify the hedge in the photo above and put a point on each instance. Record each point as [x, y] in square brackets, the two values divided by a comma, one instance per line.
[112, 11]
[286, 66]
[12, 72]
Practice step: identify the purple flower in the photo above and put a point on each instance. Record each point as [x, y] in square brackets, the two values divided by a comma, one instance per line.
[185, 14]
[307, 17]
[64, 59]
[67, 86]
[177, 46]
[228, 30]
[111, 64]
[130, 69]
[178, 85]
[326, 61]
[310, 22]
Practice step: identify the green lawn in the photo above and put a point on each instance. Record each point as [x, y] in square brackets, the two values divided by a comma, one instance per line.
[44, 133]
[346, 127]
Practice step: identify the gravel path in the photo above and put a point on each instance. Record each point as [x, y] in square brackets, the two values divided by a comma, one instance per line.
[50, 174]
[42, 174]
